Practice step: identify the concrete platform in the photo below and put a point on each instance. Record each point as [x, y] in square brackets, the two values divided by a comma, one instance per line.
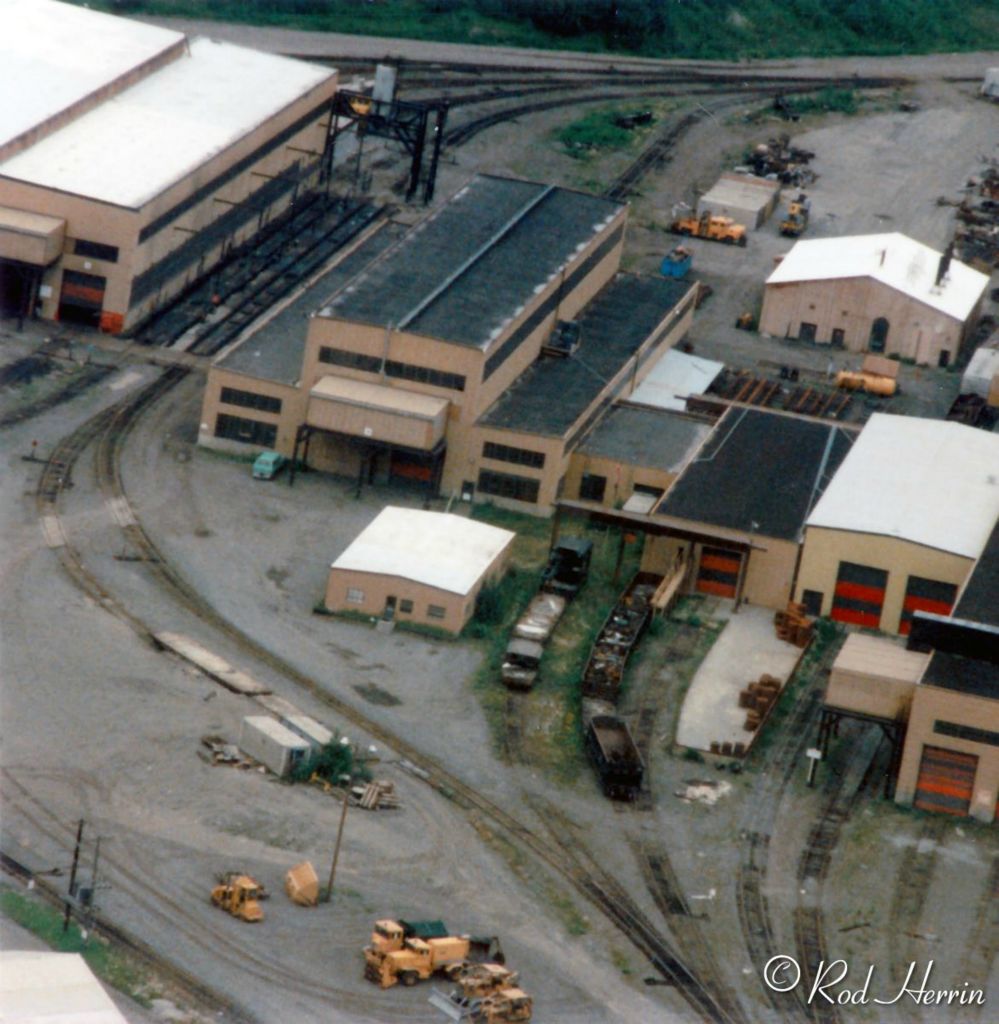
[211, 664]
[746, 649]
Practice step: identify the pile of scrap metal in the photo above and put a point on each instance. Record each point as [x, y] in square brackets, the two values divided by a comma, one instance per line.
[379, 795]
[222, 752]
[976, 235]
[778, 160]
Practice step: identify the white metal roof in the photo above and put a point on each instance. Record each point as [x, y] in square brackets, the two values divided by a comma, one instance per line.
[893, 259]
[982, 370]
[144, 139]
[745, 191]
[927, 481]
[676, 374]
[52, 988]
[274, 730]
[435, 548]
[53, 55]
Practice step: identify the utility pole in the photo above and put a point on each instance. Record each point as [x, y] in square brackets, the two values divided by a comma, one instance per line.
[336, 848]
[72, 877]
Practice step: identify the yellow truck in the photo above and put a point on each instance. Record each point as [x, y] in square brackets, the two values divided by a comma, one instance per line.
[507, 1006]
[240, 895]
[401, 952]
[711, 227]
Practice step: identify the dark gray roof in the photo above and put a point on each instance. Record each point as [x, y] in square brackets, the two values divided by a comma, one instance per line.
[656, 438]
[759, 468]
[275, 352]
[978, 604]
[551, 396]
[464, 272]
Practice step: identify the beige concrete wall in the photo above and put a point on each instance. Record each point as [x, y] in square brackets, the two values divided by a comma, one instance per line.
[388, 427]
[292, 413]
[868, 695]
[916, 331]
[931, 703]
[621, 477]
[116, 225]
[824, 549]
[767, 577]
[375, 588]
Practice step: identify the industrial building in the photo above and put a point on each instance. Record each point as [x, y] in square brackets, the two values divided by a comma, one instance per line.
[135, 158]
[937, 701]
[745, 198]
[418, 567]
[39, 986]
[879, 293]
[439, 362]
[736, 515]
[899, 528]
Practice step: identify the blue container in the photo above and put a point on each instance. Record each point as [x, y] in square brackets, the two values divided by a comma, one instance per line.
[676, 262]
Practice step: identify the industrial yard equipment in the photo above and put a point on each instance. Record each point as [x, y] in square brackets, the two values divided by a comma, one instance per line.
[677, 262]
[542, 616]
[520, 663]
[568, 566]
[713, 228]
[240, 895]
[796, 221]
[871, 383]
[615, 756]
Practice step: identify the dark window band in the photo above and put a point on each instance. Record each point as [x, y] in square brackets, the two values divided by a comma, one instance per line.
[507, 485]
[251, 400]
[235, 428]
[517, 456]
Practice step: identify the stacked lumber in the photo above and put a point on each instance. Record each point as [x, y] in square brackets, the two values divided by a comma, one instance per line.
[377, 795]
[794, 626]
[757, 699]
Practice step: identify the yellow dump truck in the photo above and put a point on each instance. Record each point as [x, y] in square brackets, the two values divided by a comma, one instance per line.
[711, 227]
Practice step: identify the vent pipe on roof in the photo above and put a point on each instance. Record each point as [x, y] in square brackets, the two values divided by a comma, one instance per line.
[945, 258]
[884, 252]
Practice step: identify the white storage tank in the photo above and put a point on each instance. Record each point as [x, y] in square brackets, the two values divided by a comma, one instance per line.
[274, 745]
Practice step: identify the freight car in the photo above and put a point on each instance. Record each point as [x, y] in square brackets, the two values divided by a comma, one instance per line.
[616, 640]
[615, 757]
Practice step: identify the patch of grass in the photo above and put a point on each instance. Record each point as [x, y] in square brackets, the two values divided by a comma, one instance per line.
[115, 966]
[621, 962]
[825, 101]
[597, 132]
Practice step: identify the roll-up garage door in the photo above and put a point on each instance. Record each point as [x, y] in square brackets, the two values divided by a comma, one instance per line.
[719, 572]
[922, 595]
[405, 466]
[946, 780]
[82, 297]
[859, 595]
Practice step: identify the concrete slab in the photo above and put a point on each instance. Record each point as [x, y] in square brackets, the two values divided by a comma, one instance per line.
[211, 664]
[746, 649]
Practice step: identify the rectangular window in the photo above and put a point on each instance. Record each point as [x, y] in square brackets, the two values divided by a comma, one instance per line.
[436, 611]
[966, 732]
[235, 428]
[812, 600]
[506, 485]
[806, 332]
[97, 250]
[353, 360]
[518, 456]
[251, 400]
[405, 606]
[355, 596]
[592, 487]
[425, 375]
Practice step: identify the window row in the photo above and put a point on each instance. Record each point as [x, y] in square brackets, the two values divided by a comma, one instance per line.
[966, 732]
[96, 250]
[434, 611]
[401, 371]
[507, 485]
[518, 456]
[235, 428]
[251, 400]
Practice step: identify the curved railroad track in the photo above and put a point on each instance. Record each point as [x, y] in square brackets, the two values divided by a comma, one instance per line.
[109, 429]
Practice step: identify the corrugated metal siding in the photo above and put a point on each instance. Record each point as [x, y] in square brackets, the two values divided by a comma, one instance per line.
[923, 595]
[946, 780]
[859, 595]
[718, 572]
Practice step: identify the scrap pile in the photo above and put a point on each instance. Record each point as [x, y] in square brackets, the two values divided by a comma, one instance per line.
[222, 752]
[379, 795]
[778, 160]
[794, 626]
[757, 699]
[976, 235]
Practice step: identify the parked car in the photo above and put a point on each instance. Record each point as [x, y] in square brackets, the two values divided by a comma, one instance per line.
[267, 465]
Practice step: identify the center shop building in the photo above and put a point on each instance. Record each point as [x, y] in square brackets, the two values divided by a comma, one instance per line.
[473, 356]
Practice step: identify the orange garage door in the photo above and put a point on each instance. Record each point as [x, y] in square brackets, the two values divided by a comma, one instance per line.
[946, 780]
[719, 572]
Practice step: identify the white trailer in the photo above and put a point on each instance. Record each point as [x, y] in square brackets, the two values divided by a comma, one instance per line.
[274, 745]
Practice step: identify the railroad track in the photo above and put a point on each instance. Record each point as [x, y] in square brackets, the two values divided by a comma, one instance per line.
[210, 933]
[983, 939]
[514, 719]
[110, 428]
[702, 990]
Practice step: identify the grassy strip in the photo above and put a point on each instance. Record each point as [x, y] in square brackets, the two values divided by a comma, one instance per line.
[599, 131]
[111, 964]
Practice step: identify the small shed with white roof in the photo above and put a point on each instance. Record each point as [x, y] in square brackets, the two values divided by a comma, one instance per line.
[900, 527]
[419, 567]
[879, 293]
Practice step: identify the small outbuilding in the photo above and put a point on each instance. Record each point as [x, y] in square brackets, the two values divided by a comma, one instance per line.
[420, 567]
[274, 745]
[743, 197]
[874, 293]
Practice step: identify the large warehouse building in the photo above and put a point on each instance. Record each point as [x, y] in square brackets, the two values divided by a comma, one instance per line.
[878, 293]
[132, 159]
[473, 356]
[902, 523]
